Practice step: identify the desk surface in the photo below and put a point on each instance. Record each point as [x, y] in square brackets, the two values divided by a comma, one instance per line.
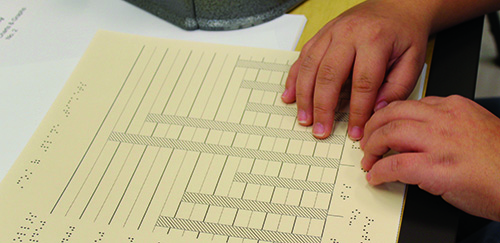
[318, 13]
[454, 54]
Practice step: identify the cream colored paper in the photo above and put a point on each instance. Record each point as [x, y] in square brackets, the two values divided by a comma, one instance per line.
[155, 140]
[41, 42]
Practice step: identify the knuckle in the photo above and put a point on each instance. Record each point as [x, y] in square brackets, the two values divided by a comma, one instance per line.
[348, 27]
[443, 159]
[455, 101]
[309, 63]
[391, 128]
[433, 184]
[321, 109]
[360, 112]
[326, 74]
[395, 165]
[399, 91]
[392, 131]
[347, 24]
[354, 113]
[377, 32]
[368, 28]
[455, 98]
[302, 95]
[364, 84]
[451, 109]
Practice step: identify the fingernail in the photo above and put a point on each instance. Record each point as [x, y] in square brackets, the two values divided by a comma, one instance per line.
[285, 94]
[368, 176]
[319, 130]
[380, 105]
[356, 133]
[302, 117]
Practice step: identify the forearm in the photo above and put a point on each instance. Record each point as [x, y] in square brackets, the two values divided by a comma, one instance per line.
[436, 15]
[451, 12]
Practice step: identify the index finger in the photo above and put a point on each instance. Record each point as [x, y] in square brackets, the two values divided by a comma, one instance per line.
[289, 95]
[409, 168]
[306, 79]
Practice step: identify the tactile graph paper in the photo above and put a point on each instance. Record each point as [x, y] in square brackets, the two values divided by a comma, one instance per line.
[155, 140]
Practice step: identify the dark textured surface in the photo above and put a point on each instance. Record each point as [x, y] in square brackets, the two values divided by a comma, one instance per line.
[216, 14]
[178, 12]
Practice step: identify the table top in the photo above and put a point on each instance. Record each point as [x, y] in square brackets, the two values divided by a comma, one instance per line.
[318, 13]
[452, 58]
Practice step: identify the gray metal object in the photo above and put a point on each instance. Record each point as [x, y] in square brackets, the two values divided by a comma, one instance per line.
[216, 14]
